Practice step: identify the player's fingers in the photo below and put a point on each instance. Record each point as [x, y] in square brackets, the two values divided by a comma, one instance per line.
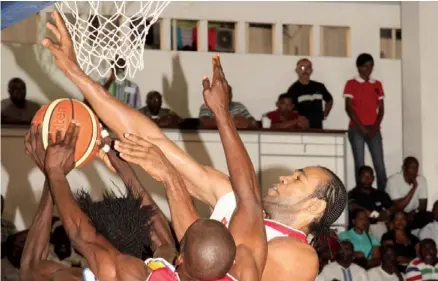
[75, 137]
[216, 71]
[137, 140]
[50, 139]
[54, 30]
[130, 151]
[27, 144]
[51, 46]
[33, 133]
[205, 83]
[128, 145]
[219, 65]
[130, 158]
[58, 137]
[60, 24]
[69, 133]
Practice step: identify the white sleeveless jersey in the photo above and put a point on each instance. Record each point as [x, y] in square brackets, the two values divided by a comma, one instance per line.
[226, 205]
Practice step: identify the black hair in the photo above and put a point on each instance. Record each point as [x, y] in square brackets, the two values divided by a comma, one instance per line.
[363, 59]
[153, 93]
[17, 81]
[284, 96]
[121, 220]
[427, 241]
[334, 194]
[365, 168]
[410, 160]
[355, 213]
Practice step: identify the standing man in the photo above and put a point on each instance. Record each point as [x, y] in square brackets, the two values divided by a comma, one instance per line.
[126, 90]
[308, 95]
[364, 105]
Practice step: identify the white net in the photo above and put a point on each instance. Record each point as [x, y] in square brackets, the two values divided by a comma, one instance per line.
[110, 35]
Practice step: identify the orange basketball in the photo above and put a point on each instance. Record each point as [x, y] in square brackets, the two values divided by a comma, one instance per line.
[57, 115]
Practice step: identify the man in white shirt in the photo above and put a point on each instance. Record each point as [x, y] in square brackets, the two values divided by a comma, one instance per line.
[387, 271]
[408, 190]
[343, 269]
[431, 230]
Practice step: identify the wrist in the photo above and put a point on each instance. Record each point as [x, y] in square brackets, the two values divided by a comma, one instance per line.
[52, 172]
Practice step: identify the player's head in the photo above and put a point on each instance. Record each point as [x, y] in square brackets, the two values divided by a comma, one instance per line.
[366, 176]
[312, 198]
[121, 220]
[120, 65]
[285, 103]
[304, 69]
[17, 91]
[207, 251]
[154, 101]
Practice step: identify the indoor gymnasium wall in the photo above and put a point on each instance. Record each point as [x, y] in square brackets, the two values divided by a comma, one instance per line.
[257, 79]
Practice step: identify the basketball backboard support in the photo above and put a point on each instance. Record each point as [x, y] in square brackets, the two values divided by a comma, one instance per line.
[14, 11]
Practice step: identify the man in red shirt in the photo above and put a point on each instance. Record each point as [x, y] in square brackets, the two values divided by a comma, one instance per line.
[285, 117]
[364, 105]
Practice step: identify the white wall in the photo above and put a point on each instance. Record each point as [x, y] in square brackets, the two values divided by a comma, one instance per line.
[256, 79]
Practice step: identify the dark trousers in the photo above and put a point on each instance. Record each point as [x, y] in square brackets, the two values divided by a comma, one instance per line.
[357, 141]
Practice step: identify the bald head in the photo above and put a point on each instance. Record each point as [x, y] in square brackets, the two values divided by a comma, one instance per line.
[208, 250]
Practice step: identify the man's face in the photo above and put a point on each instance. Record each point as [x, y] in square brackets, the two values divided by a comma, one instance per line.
[428, 253]
[366, 178]
[366, 69]
[293, 192]
[388, 256]
[285, 105]
[61, 243]
[154, 102]
[345, 254]
[304, 69]
[17, 92]
[410, 171]
[399, 221]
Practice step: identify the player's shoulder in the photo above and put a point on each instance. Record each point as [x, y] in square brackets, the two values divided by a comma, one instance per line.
[292, 248]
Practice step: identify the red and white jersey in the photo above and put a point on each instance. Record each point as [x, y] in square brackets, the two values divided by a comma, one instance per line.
[224, 210]
[164, 271]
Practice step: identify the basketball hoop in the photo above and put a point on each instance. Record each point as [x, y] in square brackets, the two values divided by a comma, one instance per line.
[103, 32]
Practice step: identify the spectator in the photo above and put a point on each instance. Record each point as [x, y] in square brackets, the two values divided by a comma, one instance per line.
[376, 203]
[364, 105]
[408, 189]
[163, 116]
[327, 246]
[12, 251]
[16, 109]
[387, 271]
[424, 268]
[242, 118]
[8, 228]
[366, 246]
[431, 230]
[404, 242]
[308, 95]
[343, 269]
[284, 117]
[126, 90]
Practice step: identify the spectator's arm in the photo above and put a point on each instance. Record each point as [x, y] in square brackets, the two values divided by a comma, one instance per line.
[402, 202]
[375, 257]
[328, 98]
[422, 185]
[381, 106]
[285, 125]
[399, 200]
[349, 96]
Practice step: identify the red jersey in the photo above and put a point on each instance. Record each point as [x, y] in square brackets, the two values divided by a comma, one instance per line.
[276, 117]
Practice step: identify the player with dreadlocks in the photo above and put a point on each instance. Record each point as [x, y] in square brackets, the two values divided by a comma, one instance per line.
[308, 201]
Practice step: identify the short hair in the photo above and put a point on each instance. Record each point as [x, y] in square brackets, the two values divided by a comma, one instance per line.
[208, 250]
[356, 213]
[410, 160]
[121, 220]
[427, 241]
[334, 194]
[303, 59]
[363, 59]
[365, 168]
[284, 96]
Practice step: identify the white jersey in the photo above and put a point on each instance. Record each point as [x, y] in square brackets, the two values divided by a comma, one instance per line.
[224, 210]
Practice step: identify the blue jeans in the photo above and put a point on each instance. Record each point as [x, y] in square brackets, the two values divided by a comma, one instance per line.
[357, 141]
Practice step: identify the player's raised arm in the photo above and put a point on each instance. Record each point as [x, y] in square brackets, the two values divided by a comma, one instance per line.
[247, 224]
[121, 118]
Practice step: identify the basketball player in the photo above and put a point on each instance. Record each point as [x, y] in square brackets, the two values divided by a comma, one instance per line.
[309, 200]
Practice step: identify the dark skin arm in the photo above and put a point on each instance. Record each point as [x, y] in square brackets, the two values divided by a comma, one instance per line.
[247, 223]
[291, 124]
[353, 117]
[327, 108]
[380, 114]
[401, 203]
[375, 257]
[423, 205]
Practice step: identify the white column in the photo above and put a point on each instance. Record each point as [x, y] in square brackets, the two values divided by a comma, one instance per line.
[420, 97]
[203, 36]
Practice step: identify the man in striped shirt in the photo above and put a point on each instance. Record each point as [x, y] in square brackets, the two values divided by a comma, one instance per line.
[242, 118]
[424, 268]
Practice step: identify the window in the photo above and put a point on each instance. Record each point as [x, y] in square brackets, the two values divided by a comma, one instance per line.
[221, 37]
[390, 43]
[24, 31]
[184, 35]
[297, 39]
[153, 39]
[260, 38]
[335, 41]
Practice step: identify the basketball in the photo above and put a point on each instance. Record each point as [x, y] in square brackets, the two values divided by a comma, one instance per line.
[57, 115]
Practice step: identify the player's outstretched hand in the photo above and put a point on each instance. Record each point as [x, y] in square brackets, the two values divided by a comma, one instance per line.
[217, 93]
[33, 143]
[139, 151]
[63, 49]
[60, 153]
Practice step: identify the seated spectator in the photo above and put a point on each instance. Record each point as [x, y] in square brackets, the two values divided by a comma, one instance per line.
[343, 269]
[387, 271]
[376, 203]
[164, 117]
[431, 230]
[403, 241]
[308, 95]
[284, 117]
[8, 228]
[408, 190]
[327, 246]
[424, 267]
[366, 246]
[242, 118]
[16, 109]
[125, 90]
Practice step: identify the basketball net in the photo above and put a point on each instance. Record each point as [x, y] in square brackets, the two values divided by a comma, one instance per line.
[103, 33]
